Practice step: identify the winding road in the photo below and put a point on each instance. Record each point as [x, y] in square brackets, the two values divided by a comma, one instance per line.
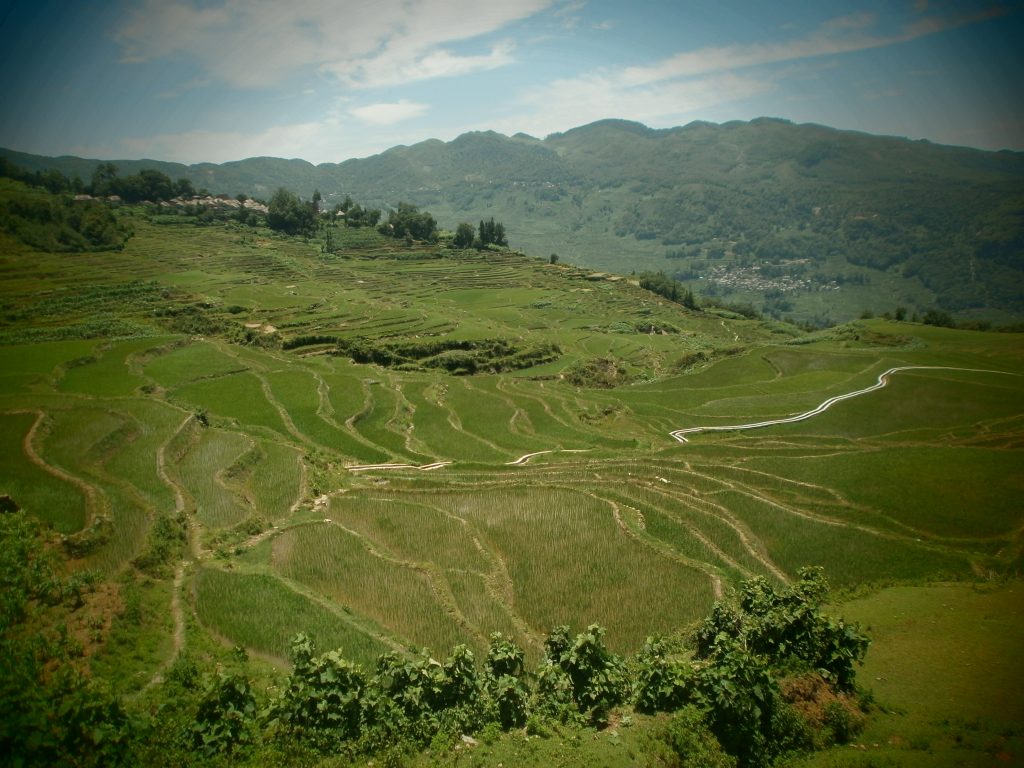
[883, 379]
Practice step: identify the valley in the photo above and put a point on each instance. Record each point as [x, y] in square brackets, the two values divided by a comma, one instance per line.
[186, 415]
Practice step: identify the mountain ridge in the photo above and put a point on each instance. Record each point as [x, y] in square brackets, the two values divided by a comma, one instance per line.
[857, 222]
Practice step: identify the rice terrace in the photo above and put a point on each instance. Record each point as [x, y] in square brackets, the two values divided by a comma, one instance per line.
[241, 435]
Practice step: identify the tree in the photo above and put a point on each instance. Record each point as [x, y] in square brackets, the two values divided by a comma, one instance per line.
[554, 258]
[183, 188]
[286, 213]
[492, 232]
[103, 179]
[463, 236]
[409, 221]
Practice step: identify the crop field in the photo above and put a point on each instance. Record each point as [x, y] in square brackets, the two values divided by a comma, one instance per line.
[394, 504]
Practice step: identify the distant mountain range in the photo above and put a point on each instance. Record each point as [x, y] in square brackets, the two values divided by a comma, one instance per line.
[799, 220]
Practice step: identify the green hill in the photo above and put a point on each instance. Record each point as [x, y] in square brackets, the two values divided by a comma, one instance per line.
[801, 220]
[231, 436]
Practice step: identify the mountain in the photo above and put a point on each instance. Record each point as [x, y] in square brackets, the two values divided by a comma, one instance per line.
[799, 220]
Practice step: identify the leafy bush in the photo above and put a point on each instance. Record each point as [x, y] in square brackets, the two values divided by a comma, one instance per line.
[51, 223]
[226, 717]
[786, 629]
[687, 742]
[663, 680]
[324, 696]
[580, 676]
[600, 373]
[503, 681]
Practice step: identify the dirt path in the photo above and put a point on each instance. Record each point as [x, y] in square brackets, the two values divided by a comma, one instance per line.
[661, 549]
[527, 456]
[421, 467]
[178, 616]
[93, 503]
[161, 468]
[883, 380]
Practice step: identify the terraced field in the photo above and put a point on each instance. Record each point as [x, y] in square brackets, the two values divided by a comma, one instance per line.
[393, 506]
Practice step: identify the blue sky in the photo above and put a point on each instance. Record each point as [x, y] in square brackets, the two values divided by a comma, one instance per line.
[219, 80]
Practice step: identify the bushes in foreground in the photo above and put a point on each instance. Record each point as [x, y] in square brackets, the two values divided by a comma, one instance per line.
[764, 675]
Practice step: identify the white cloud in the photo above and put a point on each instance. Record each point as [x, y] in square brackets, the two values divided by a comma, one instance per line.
[385, 71]
[328, 140]
[389, 114]
[571, 102]
[845, 34]
[686, 84]
[254, 43]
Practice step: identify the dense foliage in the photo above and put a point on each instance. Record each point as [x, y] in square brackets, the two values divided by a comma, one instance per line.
[407, 221]
[457, 356]
[58, 223]
[50, 713]
[289, 214]
[726, 692]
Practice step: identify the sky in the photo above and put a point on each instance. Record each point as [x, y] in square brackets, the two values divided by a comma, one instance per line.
[218, 80]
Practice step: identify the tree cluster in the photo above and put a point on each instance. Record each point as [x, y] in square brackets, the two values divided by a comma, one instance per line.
[288, 213]
[355, 215]
[732, 691]
[490, 232]
[408, 222]
[51, 223]
[147, 184]
[673, 290]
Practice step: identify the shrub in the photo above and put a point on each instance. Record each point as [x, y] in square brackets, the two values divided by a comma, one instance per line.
[580, 676]
[226, 715]
[687, 742]
[664, 682]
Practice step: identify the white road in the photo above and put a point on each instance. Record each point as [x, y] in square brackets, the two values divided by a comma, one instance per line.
[883, 379]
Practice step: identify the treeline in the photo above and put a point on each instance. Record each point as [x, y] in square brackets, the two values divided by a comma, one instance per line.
[765, 674]
[669, 288]
[942, 319]
[286, 212]
[147, 184]
[47, 221]
[456, 356]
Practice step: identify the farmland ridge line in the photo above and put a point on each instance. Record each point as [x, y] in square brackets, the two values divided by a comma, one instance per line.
[883, 380]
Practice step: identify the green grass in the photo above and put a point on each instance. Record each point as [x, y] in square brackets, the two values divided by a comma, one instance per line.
[39, 492]
[38, 360]
[947, 492]
[111, 374]
[275, 482]
[945, 669]
[237, 398]
[367, 580]
[849, 556]
[188, 363]
[203, 473]
[914, 482]
[260, 612]
[569, 563]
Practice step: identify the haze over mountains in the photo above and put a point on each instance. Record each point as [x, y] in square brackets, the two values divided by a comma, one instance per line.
[798, 220]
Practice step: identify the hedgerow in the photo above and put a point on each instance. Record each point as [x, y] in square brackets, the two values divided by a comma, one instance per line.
[723, 684]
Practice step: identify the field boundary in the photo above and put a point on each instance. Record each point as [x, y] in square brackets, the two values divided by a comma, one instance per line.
[883, 380]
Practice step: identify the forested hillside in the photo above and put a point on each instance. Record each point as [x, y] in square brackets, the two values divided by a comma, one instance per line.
[802, 221]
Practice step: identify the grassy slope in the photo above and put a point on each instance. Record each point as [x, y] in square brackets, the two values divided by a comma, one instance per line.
[640, 529]
[945, 668]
